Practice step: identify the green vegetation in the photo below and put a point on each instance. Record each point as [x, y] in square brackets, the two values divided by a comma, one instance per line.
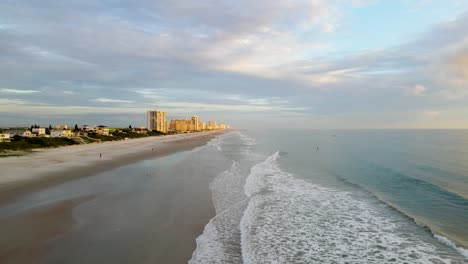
[122, 135]
[24, 143]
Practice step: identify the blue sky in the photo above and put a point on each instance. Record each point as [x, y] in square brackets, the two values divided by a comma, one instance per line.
[301, 63]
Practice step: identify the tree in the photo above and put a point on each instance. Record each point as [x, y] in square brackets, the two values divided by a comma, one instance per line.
[130, 127]
[76, 127]
[50, 127]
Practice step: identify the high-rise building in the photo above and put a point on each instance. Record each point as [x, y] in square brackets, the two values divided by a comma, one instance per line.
[182, 125]
[195, 122]
[212, 124]
[157, 121]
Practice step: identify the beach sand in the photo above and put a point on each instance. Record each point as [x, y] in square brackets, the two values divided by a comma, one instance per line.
[20, 175]
[175, 208]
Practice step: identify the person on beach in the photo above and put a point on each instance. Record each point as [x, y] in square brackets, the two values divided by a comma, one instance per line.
[100, 155]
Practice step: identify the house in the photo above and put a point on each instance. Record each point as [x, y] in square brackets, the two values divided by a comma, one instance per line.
[61, 126]
[140, 130]
[102, 130]
[86, 128]
[27, 133]
[14, 132]
[40, 131]
[5, 137]
[60, 133]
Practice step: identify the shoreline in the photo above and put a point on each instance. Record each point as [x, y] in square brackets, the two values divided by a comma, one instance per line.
[49, 167]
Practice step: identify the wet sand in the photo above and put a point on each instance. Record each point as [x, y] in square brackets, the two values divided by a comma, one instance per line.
[23, 235]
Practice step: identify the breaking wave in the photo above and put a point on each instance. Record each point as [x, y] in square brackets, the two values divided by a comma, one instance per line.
[267, 215]
[289, 220]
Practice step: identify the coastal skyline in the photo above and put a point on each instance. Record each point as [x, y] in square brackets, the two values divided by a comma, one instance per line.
[305, 64]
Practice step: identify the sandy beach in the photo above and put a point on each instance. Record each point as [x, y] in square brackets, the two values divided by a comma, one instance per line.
[169, 207]
[45, 167]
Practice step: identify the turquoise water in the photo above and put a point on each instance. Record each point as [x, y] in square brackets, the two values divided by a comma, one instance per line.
[423, 173]
[362, 196]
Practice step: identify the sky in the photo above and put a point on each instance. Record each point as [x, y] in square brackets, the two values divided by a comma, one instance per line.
[321, 64]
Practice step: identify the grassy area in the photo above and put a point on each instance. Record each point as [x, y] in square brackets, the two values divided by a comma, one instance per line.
[122, 135]
[24, 143]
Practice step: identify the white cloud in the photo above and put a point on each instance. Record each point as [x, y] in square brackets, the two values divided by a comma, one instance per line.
[418, 90]
[17, 91]
[108, 100]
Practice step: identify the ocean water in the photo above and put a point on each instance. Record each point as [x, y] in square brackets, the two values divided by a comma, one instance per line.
[380, 196]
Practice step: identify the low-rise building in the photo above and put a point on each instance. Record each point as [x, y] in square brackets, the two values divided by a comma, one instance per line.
[5, 137]
[140, 130]
[14, 132]
[39, 131]
[60, 133]
[61, 127]
[102, 130]
[27, 133]
[87, 128]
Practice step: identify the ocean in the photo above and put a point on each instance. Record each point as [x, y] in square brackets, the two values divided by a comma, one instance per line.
[357, 196]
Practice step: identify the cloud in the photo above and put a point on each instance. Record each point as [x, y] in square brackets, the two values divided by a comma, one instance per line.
[418, 90]
[248, 56]
[16, 91]
[108, 100]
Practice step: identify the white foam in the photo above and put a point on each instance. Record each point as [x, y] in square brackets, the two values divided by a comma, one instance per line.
[220, 240]
[246, 139]
[258, 175]
[449, 243]
[216, 142]
[289, 220]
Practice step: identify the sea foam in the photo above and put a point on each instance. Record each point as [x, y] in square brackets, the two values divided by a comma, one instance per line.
[289, 220]
[449, 243]
[220, 240]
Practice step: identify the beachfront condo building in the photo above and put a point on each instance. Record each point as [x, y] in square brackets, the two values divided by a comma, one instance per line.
[196, 123]
[157, 121]
[212, 125]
